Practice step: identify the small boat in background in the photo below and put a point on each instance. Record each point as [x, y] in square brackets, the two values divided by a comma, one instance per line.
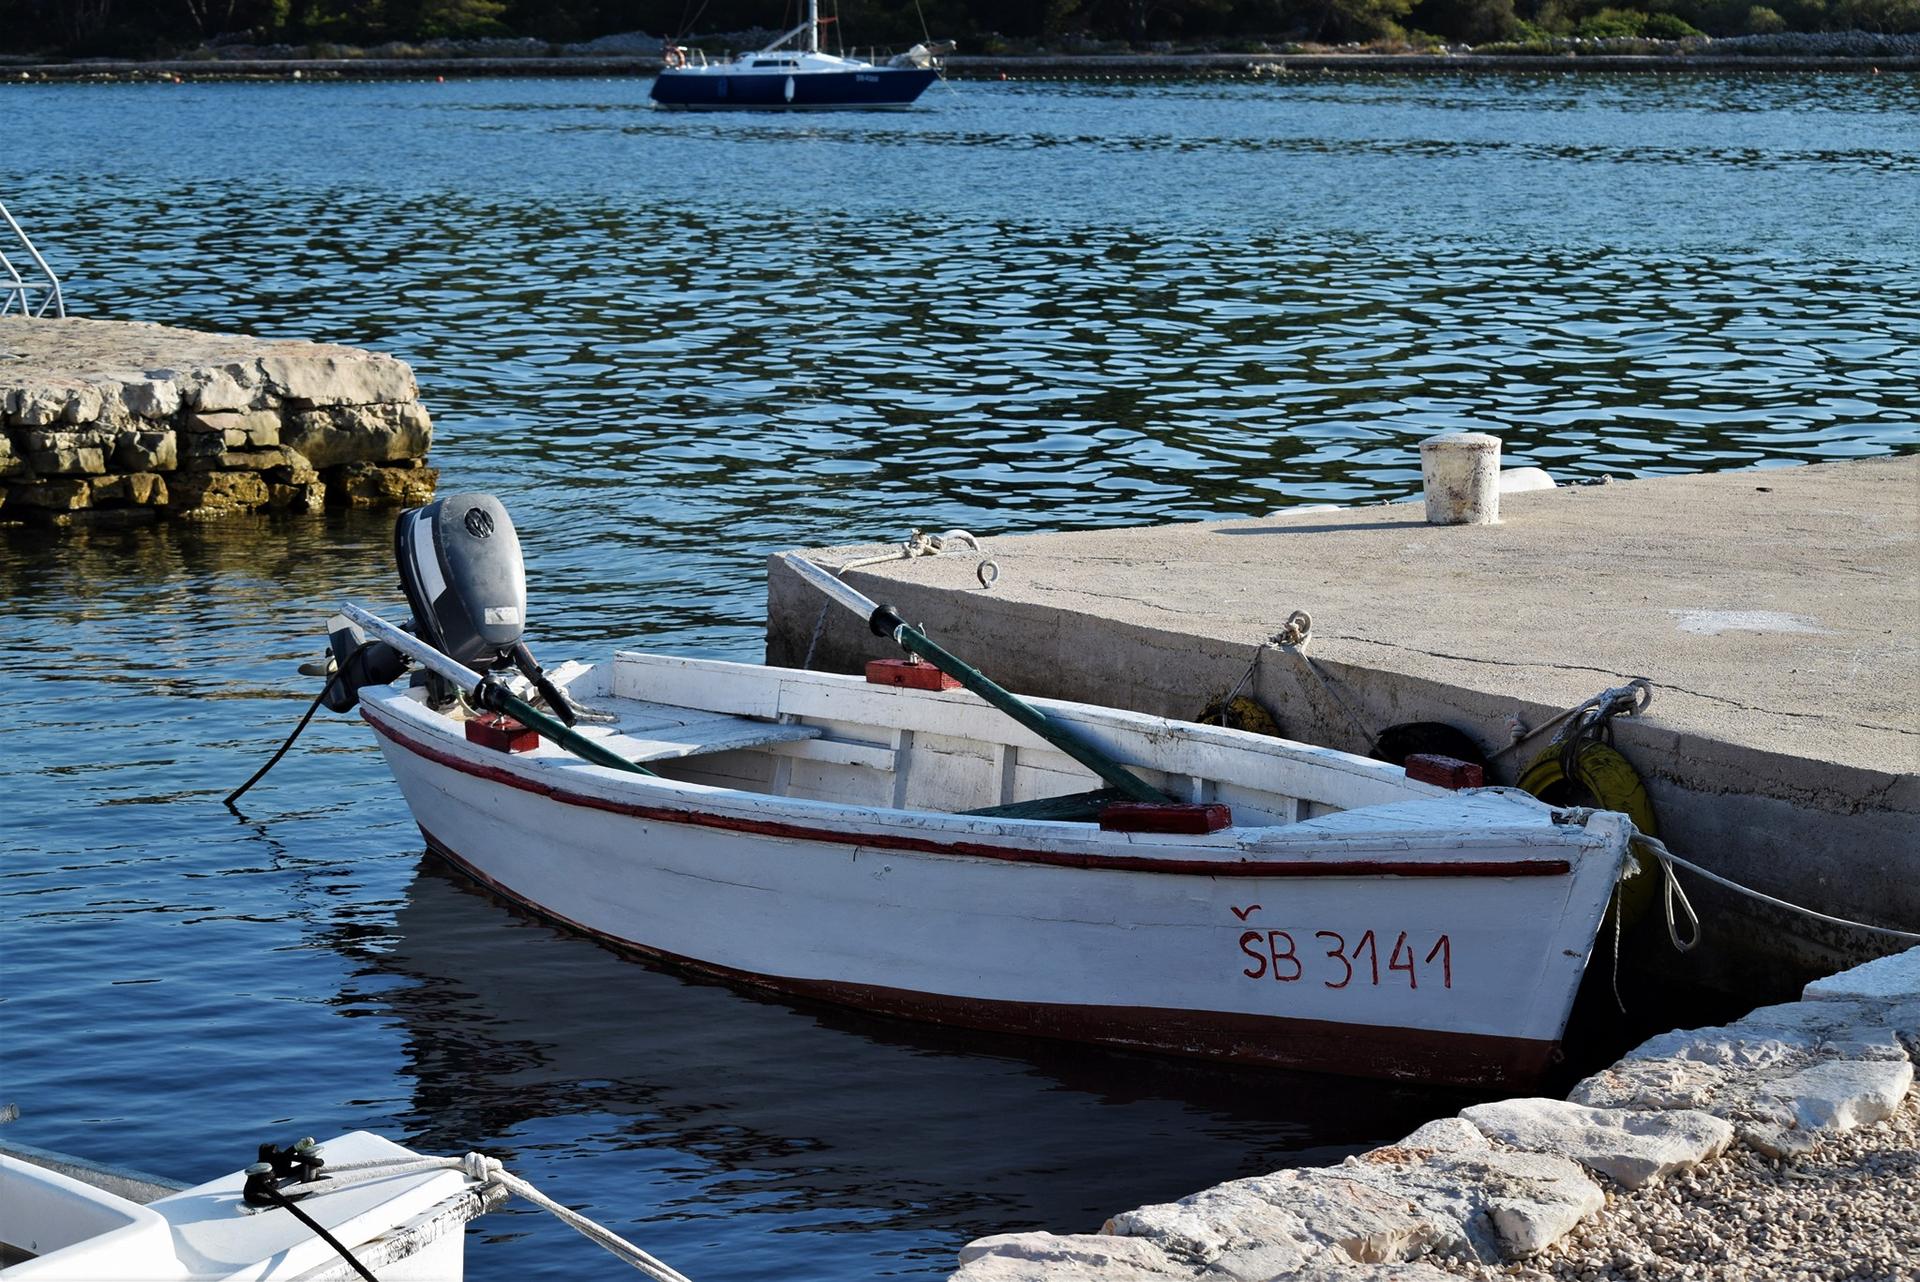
[898, 844]
[806, 78]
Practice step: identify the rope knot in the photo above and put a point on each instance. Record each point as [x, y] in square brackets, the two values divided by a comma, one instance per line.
[480, 1168]
[1296, 632]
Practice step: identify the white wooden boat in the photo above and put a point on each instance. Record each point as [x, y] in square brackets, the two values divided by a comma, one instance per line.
[901, 849]
[74, 1221]
[808, 832]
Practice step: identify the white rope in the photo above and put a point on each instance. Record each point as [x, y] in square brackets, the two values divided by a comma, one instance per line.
[1668, 860]
[482, 1169]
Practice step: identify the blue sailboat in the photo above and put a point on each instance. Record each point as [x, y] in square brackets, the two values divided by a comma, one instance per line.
[802, 78]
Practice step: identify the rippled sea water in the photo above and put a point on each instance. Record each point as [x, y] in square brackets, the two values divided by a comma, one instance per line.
[674, 344]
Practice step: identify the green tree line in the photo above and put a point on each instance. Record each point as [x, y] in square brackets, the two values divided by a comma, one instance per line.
[161, 27]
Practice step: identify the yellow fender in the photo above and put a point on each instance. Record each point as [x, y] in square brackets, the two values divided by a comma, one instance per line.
[1241, 713]
[1603, 778]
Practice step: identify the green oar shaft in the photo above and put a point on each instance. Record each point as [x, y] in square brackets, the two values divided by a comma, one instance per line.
[491, 694]
[916, 642]
[497, 698]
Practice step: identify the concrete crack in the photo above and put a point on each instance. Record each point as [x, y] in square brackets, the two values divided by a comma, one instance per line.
[1615, 677]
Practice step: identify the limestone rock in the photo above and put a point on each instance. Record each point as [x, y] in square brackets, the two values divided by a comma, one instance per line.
[57, 453]
[364, 485]
[1446, 1135]
[54, 494]
[1839, 1095]
[310, 496]
[238, 427]
[359, 434]
[155, 396]
[41, 404]
[1237, 1220]
[337, 375]
[276, 457]
[1632, 1147]
[84, 404]
[228, 387]
[211, 493]
[146, 451]
[1082, 1257]
[10, 462]
[145, 489]
[1348, 1272]
[1887, 979]
[1538, 1197]
[1388, 1206]
[1652, 1084]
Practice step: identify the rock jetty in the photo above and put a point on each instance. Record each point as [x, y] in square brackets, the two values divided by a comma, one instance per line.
[1781, 1145]
[108, 422]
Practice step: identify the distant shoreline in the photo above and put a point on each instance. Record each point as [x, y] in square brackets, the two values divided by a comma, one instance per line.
[959, 67]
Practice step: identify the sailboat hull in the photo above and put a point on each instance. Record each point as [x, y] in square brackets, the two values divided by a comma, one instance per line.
[724, 88]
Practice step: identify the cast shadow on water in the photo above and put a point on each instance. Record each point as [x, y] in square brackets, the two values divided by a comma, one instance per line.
[938, 1133]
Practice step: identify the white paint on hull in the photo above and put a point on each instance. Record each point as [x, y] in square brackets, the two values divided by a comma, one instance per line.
[1393, 916]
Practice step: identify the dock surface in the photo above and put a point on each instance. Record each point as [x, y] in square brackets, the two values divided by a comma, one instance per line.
[1776, 612]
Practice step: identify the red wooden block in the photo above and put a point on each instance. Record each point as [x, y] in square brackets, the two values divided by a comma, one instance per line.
[1447, 772]
[1154, 816]
[905, 672]
[502, 733]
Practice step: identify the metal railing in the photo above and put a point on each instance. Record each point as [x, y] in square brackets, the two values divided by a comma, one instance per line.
[20, 291]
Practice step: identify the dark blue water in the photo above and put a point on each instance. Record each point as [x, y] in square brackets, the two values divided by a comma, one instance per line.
[675, 344]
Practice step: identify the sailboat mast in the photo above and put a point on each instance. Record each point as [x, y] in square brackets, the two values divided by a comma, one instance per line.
[813, 26]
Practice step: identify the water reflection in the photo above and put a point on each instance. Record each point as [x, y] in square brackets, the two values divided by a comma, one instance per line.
[774, 1109]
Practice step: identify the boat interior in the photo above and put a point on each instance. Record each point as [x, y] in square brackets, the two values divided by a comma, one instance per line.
[822, 736]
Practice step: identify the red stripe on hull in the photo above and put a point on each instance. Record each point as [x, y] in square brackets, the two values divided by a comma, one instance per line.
[1324, 1046]
[894, 841]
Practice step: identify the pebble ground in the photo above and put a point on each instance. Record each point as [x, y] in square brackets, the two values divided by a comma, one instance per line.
[1849, 1211]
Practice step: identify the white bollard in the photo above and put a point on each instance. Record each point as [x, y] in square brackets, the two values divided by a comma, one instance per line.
[1461, 473]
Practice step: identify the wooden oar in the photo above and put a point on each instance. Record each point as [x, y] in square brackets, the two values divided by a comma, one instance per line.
[884, 622]
[491, 695]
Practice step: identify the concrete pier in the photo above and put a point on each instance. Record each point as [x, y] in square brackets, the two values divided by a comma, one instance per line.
[107, 422]
[1776, 612]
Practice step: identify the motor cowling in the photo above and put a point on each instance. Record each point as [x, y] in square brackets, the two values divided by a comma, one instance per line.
[460, 565]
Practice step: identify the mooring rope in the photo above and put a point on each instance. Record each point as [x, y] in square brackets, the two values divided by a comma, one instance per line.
[1669, 861]
[1629, 700]
[483, 1170]
[1293, 637]
[917, 543]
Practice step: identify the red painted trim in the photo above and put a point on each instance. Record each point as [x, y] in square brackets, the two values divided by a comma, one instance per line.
[1062, 859]
[1314, 1045]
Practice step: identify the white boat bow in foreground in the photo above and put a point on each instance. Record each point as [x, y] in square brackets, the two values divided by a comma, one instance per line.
[56, 1224]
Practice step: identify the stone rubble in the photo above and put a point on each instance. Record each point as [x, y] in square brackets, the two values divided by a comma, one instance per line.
[105, 422]
[1785, 1144]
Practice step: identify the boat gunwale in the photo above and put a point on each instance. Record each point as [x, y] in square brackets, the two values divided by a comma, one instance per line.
[1231, 852]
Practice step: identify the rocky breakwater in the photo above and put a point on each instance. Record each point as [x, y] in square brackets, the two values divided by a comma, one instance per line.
[1786, 1144]
[111, 422]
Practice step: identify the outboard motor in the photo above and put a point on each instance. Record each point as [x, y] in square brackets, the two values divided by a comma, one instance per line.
[460, 566]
